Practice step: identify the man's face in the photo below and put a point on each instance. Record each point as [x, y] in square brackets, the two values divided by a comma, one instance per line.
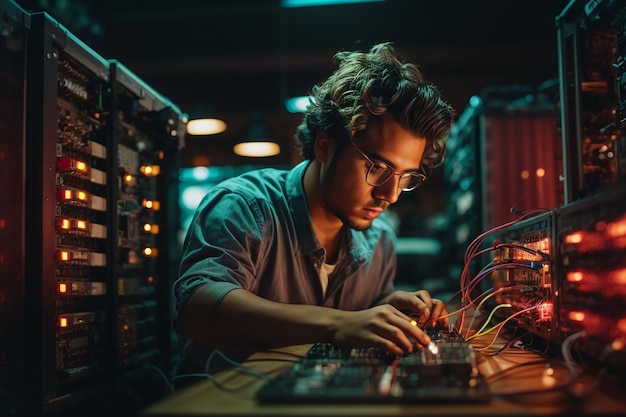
[347, 194]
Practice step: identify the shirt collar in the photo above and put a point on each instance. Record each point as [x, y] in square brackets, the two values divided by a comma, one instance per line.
[307, 241]
[359, 247]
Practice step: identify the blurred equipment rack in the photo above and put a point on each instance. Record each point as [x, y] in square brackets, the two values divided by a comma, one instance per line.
[95, 215]
[591, 48]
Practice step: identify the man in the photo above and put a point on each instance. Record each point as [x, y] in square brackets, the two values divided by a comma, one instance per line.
[275, 258]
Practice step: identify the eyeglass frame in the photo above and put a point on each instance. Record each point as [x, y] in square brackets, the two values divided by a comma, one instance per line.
[400, 174]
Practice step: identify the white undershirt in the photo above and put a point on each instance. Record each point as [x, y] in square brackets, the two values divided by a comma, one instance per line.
[325, 271]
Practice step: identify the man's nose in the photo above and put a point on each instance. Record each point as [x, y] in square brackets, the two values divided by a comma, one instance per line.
[389, 191]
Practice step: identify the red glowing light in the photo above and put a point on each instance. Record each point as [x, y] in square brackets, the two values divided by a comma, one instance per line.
[618, 276]
[617, 228]
[575, 276]
[574, 238]
[576, 316]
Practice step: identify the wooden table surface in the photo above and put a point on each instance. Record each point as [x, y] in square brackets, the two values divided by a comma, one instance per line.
[509, 373]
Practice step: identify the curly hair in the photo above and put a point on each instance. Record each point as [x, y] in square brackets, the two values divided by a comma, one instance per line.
[372, 84]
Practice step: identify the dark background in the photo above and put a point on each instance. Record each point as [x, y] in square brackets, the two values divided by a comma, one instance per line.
[239, 59]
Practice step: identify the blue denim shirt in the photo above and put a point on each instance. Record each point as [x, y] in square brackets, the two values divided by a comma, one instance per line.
[255, 232]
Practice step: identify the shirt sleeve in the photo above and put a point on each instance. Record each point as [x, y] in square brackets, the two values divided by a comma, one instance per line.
[220, 248]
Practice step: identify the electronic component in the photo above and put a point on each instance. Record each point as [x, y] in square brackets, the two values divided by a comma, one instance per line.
[444, 371]
[591, 54]
[592, 271]
[523, 275]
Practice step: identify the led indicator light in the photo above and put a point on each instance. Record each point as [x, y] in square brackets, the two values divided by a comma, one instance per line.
[81, 166]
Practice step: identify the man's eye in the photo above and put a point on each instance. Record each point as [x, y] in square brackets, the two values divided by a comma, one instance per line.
[378, 169]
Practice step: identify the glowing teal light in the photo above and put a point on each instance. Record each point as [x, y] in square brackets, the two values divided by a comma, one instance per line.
[191, 197]
[297, 104]
[475, 101]
[308, 3]
[200, 173]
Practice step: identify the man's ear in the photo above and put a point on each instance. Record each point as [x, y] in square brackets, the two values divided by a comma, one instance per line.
[324, 147]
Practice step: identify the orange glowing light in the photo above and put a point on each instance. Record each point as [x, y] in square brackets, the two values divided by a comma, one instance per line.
[81, 195]
[81, 224]
[150, 252]
[63, 322]
[574, 238]
[616, 228]
[576, 315]
[62, 288]
[81, 166]
[66, 224]
[67, 194]
[151, 204]
[575, 276]
[150, 170]
[129, 179]
[151, 228]
[618, 276]
[150, 279]
[64, 255]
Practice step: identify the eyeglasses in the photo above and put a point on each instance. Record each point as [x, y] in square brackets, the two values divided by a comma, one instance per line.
[379, 173]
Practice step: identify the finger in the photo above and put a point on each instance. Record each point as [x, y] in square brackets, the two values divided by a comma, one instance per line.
[438, 311]
[403, 331]
[389, 346]
[424, 304]
[411, 328]
[416, 333]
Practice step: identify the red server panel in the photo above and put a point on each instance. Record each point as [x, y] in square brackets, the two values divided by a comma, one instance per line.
[592, 274]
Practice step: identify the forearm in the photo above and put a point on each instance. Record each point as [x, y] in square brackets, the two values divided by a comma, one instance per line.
[245, 319]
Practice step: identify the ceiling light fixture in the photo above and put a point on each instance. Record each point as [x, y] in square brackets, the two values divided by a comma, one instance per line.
[257, 149]
[257, 143]
[207, 126]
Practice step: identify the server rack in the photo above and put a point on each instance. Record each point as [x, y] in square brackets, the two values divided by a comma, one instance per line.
[591, 49]
[148, 132]
[93, 214]
[580, 290]
[591, 280]
[504, 154]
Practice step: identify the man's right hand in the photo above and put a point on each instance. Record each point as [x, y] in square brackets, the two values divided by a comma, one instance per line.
[383, 327]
